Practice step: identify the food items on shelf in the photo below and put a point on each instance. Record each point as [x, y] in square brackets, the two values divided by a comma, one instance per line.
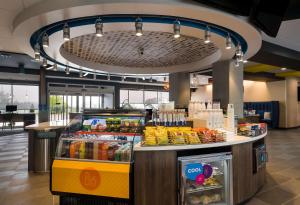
[192, 137]
[205, 199]
[149, 136]
[177, 137]
[211, 182]
[161, 135]
[252, 129]
[210, 136]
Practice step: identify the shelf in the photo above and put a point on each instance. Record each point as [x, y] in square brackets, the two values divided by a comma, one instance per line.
[108, 133]
[203, 188]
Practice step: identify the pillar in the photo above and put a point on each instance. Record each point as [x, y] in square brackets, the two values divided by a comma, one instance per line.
[228, 85]
[180, 91]
[292, 116]
[116, 96]
[43, 106]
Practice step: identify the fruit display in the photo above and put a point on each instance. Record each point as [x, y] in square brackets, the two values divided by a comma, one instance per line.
[111, 124]
[161, 135]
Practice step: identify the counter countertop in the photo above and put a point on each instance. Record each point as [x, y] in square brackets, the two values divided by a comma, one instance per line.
[231, 140]
[47, 125]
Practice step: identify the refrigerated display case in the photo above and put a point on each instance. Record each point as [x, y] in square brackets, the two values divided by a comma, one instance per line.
[205, 179]
[94, 157]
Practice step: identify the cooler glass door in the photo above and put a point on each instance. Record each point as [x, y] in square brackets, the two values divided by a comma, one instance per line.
[205, 179]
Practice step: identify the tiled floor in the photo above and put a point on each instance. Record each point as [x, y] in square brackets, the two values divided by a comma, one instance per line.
[18, 187]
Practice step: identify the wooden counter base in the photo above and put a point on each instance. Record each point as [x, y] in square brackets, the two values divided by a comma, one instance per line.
[155, 173]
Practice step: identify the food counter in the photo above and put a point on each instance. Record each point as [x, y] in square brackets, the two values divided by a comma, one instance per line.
[105, 158]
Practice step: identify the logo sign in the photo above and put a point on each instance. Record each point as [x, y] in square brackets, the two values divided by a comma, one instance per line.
[90, 178]
[193, 170]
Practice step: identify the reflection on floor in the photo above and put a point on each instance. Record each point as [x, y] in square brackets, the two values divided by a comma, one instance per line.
[18, 187]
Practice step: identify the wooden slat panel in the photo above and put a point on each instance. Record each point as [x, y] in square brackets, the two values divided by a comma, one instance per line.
[155, 176]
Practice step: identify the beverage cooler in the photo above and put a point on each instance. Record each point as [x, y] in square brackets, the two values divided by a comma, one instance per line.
[205, 179]
[94, 159]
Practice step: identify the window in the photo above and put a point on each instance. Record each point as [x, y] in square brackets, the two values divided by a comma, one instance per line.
[87, 102]
[5, 96]
[142, 99]
[95, 102]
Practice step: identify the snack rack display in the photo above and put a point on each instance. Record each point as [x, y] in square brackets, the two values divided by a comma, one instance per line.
[95, 156]
[205, 179]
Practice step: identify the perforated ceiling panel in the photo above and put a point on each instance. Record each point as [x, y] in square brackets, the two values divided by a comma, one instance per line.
[153, 49]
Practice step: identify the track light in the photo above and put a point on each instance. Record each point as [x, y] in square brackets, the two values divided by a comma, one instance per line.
[207, 35]
[45, 62]
[176, 28]
[37, 49]
[95, 77]
[108, 76]
[66, 32]
[236, 62]
[84, 75]
[150, 80]
[99, 27]
[80, 74]
[37, 57]
[239, 51]
[55, 67]
[45, 40]
[138, 27]
[67, 70]
[228, 42]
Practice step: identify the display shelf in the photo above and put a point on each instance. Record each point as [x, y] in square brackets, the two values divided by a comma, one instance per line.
[130, 134]
[203, 188]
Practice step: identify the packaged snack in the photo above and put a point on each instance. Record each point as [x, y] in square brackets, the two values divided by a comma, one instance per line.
[177, 137]
[161, 136]
[192, 137]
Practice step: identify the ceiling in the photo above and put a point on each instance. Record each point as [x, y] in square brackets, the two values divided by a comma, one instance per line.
[154, 49]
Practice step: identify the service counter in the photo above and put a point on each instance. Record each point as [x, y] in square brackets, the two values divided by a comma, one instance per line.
[42, 141]
[156, 169]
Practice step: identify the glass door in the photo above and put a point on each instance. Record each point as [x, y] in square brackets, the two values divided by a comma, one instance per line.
[205, 179]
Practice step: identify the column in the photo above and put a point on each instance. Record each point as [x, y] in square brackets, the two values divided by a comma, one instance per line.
[180, 91]
[228, 85]
[43, 106]
[116, 97]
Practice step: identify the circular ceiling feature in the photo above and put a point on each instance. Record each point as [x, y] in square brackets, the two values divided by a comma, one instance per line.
[123, 49]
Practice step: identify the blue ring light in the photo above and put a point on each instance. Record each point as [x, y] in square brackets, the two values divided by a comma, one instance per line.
[128, 18]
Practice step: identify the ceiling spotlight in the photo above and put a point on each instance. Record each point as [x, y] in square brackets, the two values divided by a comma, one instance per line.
[138, 27]
[66, 32]
[37, 57]
[283, 69]
[55, 67]
[236, 62]
[207, 35]
[45, 62]
[67, 70]
[37, 49]
[80, 74]
[99, 27]
[95, 77]
[108, 76]
[239, 51]
[176, 28]
[228, 42]
[85, 74]
[45, 40]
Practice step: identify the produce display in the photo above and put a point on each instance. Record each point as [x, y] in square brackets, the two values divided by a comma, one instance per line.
[161, 135]
[112, 125]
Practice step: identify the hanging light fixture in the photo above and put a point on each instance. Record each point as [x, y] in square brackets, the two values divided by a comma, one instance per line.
[207, 35]
[66, 32]
[99, 27]
[239, 51]
[176, 28]
[37, 49]
[45, 40]
[37, 57]
[45, 62]
[67, 70]
[80, 74]
[138, 27]
[236, 62]
[108, 76]
[228, 42]
[55, 67]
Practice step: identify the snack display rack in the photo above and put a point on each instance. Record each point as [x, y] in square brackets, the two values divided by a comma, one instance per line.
[94, 157]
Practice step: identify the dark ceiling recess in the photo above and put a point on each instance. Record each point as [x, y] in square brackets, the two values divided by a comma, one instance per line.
[266, 14]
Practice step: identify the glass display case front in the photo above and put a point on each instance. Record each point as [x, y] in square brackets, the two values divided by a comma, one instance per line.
[205, 179]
